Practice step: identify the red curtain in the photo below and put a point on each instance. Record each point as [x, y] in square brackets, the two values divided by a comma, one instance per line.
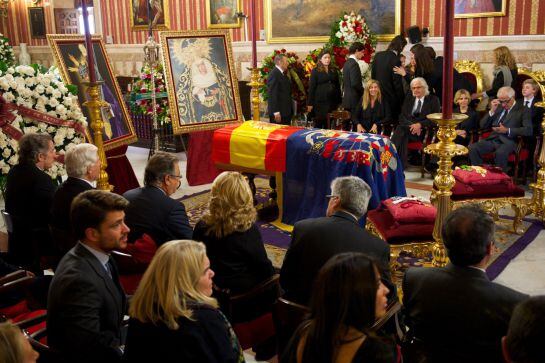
[120, 173]
[200, 169]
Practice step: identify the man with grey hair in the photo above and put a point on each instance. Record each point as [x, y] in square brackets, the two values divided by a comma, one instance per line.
[151, 210]
[508, 119]
[279, 103]
[413, 118]
[83, 167]
[316, 240]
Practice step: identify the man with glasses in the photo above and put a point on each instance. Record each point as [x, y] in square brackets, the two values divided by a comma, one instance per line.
[508, 119]
[151, 210]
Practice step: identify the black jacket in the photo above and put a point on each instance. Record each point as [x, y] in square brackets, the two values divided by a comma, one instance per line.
[518, 120]
[324, 92]
[151, 211]
[458, 312]
[498, 82]
[315, 241]
[391, 84]
[279, 95]
[352, 84]
[458, 80]
[430, 105]
[378, 114]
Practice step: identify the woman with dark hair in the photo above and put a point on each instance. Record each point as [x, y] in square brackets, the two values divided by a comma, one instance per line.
[324, 94]
[423, 66]
[348, 297]
[373, 110]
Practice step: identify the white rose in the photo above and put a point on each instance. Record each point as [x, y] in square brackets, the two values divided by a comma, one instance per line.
[49, 90]
[13, 160]
[5, 169]
[6, 153]
[40, 89]
[56, 93]
[9, 97]
[53, 102]
[50, 129]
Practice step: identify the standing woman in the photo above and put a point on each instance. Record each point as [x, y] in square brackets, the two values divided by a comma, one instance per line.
[373, 110]
[505, 72]
[422, 63]
[324, 91]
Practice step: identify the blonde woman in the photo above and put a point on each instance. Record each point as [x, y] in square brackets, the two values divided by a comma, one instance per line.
[462, 100]
[233, 240]
[372, 110]
[14, 347]
[173, 316]
[505, 71]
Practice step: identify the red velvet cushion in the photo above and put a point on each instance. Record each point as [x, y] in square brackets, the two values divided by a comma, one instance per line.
[411, 211]
[523, 155]
[396, 233]
[415, 145]
[462, 191]
[130, 282]
[253, 332]
[29, 315]
[15, 310]
[471, 177]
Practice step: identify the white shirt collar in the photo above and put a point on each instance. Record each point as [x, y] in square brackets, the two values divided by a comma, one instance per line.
[530, 100]
[280, 69]
[353, 56]
[102, 257]
[478, 268]
[93, 184]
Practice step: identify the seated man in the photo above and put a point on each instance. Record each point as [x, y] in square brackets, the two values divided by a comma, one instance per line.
[456, 311]
[508, 119]
[29, 193]
[413, 117]
[86, 303]
[316, 240]
[526, 333]
[151, 210]
[83, 167]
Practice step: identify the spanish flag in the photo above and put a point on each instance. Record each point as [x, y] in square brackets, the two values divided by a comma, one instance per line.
[253, 144]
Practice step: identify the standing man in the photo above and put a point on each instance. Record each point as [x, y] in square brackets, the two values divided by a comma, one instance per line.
[352, 82]
[280, 103]
[86, 303]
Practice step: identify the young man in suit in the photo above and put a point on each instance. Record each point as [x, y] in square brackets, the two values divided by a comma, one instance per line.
[413, 118]
[455, 311]
[86, 302]
[508, 119]
[151, 210]
[316, 240]
[279, 103]
[352, 81]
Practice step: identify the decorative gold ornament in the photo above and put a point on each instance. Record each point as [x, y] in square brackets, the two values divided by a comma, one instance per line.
[538, 188]
[474, 68]
[255, 83]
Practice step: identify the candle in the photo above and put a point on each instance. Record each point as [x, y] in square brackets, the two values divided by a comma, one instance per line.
[149, 18]
[448, 66]
[254, 34]
[88, 43]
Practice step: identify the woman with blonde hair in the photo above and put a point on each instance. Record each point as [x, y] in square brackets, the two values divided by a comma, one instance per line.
[462, 99]
[14, 346]
[373, 110]
[505, 72]
[173, 316]
[233, 240]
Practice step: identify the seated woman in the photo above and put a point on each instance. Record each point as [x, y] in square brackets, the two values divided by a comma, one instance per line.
[173, 316]
[372, 111]
[14, 346]
[232, 239]
[462, 98]
[348, 297]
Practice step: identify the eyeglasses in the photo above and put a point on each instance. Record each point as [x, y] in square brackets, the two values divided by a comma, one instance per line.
[176, 176]
[503, 102]
[329, 196]
[417, 87]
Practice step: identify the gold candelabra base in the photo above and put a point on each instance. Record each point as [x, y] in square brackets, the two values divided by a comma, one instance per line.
[255, 83]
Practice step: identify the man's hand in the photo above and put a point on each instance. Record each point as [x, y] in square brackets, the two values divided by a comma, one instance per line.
[309, 108]
[416, 128]
[373, 129]
[501, 129]
[277, 117]
[400, 70]
[461, 133]
[359, 128]
[494, 105]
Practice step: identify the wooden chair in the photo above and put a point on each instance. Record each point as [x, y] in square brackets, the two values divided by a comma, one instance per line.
[419, 146]
[15, 280]
[287, 316]
[337, 119]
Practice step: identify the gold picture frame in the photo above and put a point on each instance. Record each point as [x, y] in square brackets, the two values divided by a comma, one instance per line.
[280, 23]
[201, 81]
[480, 9]
[69, 53]
[220, 12]
[139, 14]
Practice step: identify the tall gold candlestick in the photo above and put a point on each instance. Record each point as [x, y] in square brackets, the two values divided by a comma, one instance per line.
[538, 188]
[255, 83]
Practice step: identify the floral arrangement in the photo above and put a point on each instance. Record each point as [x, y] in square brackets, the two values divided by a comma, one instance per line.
[6, 51]
[143, 106]
[36, 88]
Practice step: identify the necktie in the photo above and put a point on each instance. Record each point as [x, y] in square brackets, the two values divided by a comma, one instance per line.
[499, 120]
[109, 268]
[526, 103]
[418, 108]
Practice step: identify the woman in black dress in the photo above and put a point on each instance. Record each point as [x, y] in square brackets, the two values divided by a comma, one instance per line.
[324, 94]
[462, 100]
[373, 110]
[505, 72]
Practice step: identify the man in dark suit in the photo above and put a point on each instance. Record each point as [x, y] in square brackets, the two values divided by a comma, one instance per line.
[455, 311]
[316, 240]
[29, 193]
[86, 303]
[413, 118]
[508, 119]
[83, 167]
[391, 84]
[352, 81]
[529, 100]
[279, 103]
[151, 210]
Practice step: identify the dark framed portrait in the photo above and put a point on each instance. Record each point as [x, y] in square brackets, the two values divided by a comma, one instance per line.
[201, 81]
[311, 19]
[222, 13]
[70, 56]
[144, 12]
[36, 19]
[479, 9]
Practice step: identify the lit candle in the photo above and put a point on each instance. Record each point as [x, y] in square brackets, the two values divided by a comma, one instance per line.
[254, 34]
[88, 43]
[448, 66]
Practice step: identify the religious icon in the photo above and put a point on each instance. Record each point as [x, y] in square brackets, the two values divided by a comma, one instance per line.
[479, 8]
[222, 13]
[149, 12]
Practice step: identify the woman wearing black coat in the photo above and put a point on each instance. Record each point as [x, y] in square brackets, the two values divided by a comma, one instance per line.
[373, 110]
[462, 99]
[324, 94]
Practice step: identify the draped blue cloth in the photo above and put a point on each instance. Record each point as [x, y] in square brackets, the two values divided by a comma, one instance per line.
[315, 157]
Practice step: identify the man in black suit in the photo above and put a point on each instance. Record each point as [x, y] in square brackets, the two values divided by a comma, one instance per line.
[316, 240]
[86, 303]
[391, 84]
[29, 193]
[529, 100]
[413, 118]
[508, 119]
[151, 210]
[352, 81]
[455, 311]
[279, 103]
[83, 167]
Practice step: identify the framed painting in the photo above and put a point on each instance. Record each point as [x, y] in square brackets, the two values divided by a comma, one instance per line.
[311, 19]
[70, 56]
[479, 9]
[201, 80]
[222, 13]
[36, 19]
[144, 12]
